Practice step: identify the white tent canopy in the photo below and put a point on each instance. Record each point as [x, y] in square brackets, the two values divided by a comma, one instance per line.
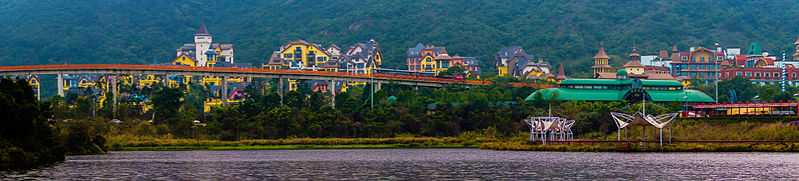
[550, 128]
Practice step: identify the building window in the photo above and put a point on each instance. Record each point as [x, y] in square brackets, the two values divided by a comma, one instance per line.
[684, 58]
[701, 74]
[693, 67]
[719, 58]
[693, 74]
[776, 75]
[693, 58]
[793, 75]
[701, 67]
[701, 58]
[757, 74]
[711, 67]
[710, 58]
[737, 73]
[766, 74]
[287, 55]
[748, 74]
[711, 74]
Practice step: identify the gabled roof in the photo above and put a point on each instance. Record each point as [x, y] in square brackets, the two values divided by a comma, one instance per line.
[513, 51]
[303, 42]
[333, 46]
[226, 46]
[601, 54]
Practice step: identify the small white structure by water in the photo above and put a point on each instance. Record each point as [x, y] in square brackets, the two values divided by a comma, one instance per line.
[550, 128]
[623, 121]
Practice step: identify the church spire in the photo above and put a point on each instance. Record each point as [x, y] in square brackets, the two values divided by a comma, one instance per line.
[202, 30]
[561, 75]
[635, 56]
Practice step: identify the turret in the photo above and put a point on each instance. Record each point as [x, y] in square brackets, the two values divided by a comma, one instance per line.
[601, 61]
[202, 43]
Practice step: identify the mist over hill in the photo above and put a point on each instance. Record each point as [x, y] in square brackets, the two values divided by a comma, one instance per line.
[141, 31]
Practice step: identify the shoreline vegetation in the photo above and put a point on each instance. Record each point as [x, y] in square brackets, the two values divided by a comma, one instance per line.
[125, 143]
[683, 130]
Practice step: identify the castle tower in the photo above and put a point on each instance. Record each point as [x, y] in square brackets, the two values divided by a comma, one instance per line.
[202, 43]
[601, 61]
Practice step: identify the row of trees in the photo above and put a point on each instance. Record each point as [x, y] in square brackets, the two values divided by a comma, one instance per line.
[398, 110]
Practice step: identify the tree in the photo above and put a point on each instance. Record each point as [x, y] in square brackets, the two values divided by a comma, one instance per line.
[167, 103]
[294, 99]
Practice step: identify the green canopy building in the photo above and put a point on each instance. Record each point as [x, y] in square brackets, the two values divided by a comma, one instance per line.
[621, 88]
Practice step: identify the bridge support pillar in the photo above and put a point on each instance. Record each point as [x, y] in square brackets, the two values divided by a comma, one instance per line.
[60, 84]
[331, 86]
[378, 86]
[415, 88]
[280, 89]
[224, 90]
[166, 80]
[114, 94]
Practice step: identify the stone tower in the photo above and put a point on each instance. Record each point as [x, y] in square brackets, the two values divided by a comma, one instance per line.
[202, 41]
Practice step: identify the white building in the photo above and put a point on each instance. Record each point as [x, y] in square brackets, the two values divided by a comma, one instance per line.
[202, 42]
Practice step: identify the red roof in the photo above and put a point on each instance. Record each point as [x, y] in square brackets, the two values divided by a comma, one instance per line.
[601, 54]
[740, 59]
[633, 63]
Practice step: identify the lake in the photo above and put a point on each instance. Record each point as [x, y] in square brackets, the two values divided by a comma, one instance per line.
[415, 164]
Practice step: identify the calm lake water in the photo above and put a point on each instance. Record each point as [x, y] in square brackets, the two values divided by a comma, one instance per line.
[416, 164]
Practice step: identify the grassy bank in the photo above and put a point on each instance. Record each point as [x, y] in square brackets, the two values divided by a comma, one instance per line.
[286, 147]
[684, 129]
[633, 147]
[690, 129]
[130, 143]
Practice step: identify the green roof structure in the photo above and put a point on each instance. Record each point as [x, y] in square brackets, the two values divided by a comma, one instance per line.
[632, 90]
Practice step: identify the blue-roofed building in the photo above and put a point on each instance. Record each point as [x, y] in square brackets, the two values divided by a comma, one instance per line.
[514, 61]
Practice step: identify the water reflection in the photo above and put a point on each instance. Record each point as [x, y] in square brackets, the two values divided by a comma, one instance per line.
[415, 164]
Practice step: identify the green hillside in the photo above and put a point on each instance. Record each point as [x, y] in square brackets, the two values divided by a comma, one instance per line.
[140, 31]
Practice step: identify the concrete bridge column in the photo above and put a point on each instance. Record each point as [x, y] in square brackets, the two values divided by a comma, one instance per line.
[280, 89]
[114, 92]
[60, 84]
[166, 80]
[379, 86]
[224, 90]
[332, 87]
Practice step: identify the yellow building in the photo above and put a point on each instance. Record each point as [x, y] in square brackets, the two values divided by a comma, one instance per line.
[303, 55]
[601, 62]
[33, 80]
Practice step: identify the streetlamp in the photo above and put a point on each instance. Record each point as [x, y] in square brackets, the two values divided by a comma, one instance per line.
[716, 73]
[372, 79]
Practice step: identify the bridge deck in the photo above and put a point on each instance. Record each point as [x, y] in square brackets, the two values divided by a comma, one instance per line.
[241, 72]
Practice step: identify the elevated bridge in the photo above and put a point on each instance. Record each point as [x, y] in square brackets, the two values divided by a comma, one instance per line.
[225, 72]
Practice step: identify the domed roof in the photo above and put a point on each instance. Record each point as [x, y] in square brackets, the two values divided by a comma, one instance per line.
[621, 72]
[391, 99]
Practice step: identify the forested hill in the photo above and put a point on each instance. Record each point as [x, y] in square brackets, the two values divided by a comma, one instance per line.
[139, 31]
